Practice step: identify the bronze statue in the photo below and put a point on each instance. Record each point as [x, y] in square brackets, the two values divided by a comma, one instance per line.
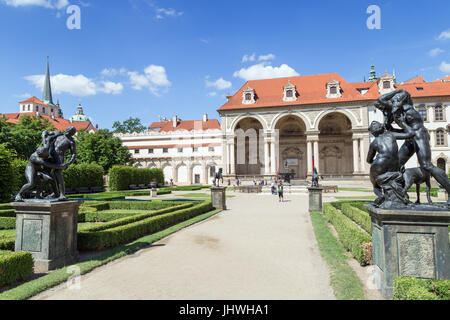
[47, 163]
[315, 178]
[218, 177]
[387, 171]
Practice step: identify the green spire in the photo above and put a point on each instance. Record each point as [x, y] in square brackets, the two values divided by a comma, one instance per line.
[47, 93]
[373, 74]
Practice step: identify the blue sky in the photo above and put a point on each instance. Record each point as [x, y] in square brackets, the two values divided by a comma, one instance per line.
[148, 58]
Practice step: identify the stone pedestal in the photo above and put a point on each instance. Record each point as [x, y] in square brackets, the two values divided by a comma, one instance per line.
[154, 193]
[442, 195]
[49, 231]
[218, 197]
[409, 243]
[315, 198]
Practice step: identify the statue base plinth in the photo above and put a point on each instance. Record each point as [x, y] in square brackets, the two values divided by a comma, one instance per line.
[218, 197]
[315, 198]
[49, 231]
[409, 243]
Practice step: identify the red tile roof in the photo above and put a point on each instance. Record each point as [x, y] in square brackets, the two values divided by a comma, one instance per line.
[33, 99]
[312, 90]
[190, 125]
[175, 145]
[59, 123]
[444, 79]
[418, 79]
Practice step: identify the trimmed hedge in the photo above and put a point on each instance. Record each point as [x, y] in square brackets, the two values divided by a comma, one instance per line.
[84, 175]
[362, 218]
[121, 177]
[7, 213]
[19, 174]
[350, 236]
[410, 288]
[15, 266]
[97, 239]
[7, 223]
[423, 189]
[7, 174]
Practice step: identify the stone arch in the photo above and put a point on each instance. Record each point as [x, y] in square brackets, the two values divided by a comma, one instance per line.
[325, 113]
[196, 168]
[182, 172]
[168, 172]
[257, 117]
[441, 159]
[280, 117]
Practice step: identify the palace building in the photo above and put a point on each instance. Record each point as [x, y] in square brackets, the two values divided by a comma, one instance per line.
[319, 120]
[45, 108]
[188, 152]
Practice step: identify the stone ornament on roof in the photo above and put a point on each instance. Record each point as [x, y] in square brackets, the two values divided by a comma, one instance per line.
[289, 92]
[334, 89]
[248, 96]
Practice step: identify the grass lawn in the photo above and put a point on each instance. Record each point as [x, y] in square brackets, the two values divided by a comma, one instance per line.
[357, 198]
[345, 282]
[196, 195]
[355, 189]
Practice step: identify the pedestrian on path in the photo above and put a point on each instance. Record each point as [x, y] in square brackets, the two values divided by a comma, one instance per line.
[280, 192]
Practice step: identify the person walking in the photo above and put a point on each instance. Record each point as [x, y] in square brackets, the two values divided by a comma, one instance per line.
[280, 192]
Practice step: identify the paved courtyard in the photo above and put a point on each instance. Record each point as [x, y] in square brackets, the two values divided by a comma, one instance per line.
[259, 249]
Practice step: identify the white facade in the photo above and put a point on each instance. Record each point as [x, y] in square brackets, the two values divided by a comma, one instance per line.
[187, 157]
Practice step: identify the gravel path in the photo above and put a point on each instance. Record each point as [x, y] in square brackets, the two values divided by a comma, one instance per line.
[259, 249]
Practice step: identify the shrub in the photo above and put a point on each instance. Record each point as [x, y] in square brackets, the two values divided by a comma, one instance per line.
[362, 218]
[121, 177]
[7, 174]
[410, 288]
[15, 266]
[7, 223]
[84, 175]
[349, 234]
[9, 213]
[19, 174]
[105, 238]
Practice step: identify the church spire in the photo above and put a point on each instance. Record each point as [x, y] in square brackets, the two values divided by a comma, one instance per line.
[373, 74]
[47, 93]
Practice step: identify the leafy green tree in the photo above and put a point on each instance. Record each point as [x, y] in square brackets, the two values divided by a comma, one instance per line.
[6, 173]
[129, 126]
[102, 148]
[5, 131]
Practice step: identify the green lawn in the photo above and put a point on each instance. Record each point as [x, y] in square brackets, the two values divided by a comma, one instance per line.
[355, 189]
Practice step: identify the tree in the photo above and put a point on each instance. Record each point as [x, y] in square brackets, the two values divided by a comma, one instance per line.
[129, 126]
[102, 148]
[6, 173]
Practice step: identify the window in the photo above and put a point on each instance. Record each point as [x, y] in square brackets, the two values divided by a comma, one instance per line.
[211, 149]
[37, 109]
[195, 149]
[386, 84]
[29, 108]
[439, 113]
[136, 151]
[248, 96]
[289, 94]
[43, 110]
[419, 89]
[333, 90]
[180, 150]
[423, 113]
[51, 110]
[165, 150]
[440, 138]
[150, 151]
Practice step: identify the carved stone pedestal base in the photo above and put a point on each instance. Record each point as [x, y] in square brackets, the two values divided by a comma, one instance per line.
[48, 231]
[409, 243]
[218, 197]
[315, 198]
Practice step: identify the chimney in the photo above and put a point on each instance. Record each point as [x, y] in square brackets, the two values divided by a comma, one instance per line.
[174, 121]
[205, 118]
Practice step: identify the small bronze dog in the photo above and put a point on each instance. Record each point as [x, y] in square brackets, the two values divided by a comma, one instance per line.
[417, 176]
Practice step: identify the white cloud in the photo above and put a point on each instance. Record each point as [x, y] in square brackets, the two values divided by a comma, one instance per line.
[444, 35]
[111, 72]
[445, 67]
[435, 52]
[162, 13]
[23, 95]
[79, 85]
[248, 58]
[265, 71]
[219, 84]
[154, 78]
[50, 4]
[212, 94]
[266, 57]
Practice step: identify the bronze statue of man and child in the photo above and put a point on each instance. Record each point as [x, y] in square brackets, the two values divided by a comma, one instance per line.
[388, 175]
[47, 165]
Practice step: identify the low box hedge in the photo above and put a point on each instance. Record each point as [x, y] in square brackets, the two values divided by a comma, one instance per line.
[98, 238]
[362, 218]
[349, 234]
[121, 177]
[15, 266]
[410, 288]
[7, 213]
[7, 223]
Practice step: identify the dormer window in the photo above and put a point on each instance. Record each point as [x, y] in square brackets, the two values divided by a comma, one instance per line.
[290, 92]
[248, 96]
[386, 84]
[333, 89]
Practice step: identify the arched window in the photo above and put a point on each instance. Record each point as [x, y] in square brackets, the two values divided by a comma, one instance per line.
[440, 137]
[441, 164]
[439, 113]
